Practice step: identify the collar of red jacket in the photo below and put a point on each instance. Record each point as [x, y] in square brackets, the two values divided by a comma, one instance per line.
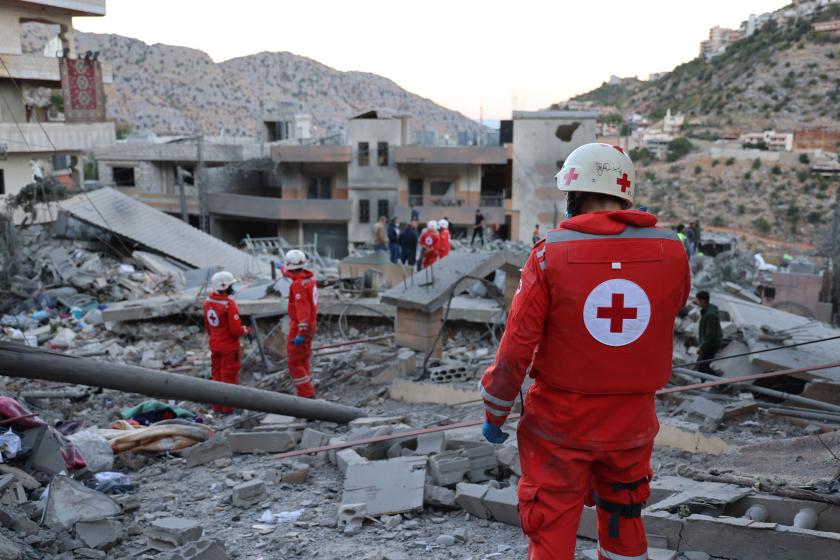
[608, 223]
[301, 273]
[219, 295]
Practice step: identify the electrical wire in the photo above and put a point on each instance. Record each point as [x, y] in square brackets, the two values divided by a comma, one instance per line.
[741, 354]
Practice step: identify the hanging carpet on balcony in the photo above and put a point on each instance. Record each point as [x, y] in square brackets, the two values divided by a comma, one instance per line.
[81, 84]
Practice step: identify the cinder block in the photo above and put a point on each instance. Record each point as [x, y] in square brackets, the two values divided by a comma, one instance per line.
[261, 442]
[347, 457]
[298, 473]
[171, 532]
[482, 460]
[249, 493]
[313, 438]
[508, 455]
[470, 497]
[438, 496]
[449, 468]
[502, 504]
[200, 550]
[431, 444]
[207, 451]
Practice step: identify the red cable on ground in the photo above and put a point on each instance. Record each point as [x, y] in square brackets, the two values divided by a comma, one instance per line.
[352, 342]
[472, 423]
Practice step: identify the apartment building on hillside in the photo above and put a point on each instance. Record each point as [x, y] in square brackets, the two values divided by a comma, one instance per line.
[40, 137]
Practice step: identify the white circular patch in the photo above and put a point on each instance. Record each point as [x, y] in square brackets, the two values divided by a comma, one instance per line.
[616, 312]
[315, 295]
[212, 318]
[429, 241]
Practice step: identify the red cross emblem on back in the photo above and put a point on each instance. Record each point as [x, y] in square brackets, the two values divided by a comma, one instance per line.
[617, 313]
[570, 176]
[623, 182]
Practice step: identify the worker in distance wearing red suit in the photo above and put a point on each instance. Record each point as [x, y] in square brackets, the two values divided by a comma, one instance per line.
[593, 318]
[429, 244]
[444, 245]
[224, 326]
[303, 315]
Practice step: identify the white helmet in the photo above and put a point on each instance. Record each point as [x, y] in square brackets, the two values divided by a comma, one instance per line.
[222, 280]
[295, 259]
[599, 168]
[432, 225]
[443, 224]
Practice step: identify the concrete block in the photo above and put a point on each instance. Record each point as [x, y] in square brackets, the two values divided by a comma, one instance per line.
[99, 534]
[428, 392]
[351, 517]
[392, 486]
[9, 550]
[249, 493]
[200, 550]
[502, 504]
[431, 444]
[707, 411]
[470, 497]
[261, 442]
[482, 461]
[331, 455]
[508, 456]
[69, 502]
[687, 437]
[449, 468]
[207, 451]
[297, 474]
[168, 533]
[313, 438]
[347, 457]
[439, 496]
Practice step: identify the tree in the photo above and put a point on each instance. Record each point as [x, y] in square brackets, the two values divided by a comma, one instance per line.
[804, 159]
[756, 164]
[762, 225]
[678, 147]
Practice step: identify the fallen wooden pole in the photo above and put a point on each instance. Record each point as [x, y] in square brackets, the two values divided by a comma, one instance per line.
[31, 363]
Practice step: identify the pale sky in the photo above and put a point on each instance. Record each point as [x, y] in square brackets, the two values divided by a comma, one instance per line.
[463, 54]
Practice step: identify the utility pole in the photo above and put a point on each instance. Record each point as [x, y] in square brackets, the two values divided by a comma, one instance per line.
[834, 255]
[199, 181]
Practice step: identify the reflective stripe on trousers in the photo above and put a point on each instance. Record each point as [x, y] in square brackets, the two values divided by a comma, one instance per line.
[616, 556]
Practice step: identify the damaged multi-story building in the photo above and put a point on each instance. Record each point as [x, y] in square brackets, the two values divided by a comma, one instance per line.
[52, 103]
[331, 190]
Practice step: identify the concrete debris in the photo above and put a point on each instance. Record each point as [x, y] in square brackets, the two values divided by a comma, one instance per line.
[200, 550]
[101, 534]
[168, 533]
[69, 502]
[249, 493]
[261, 442]
[390, 486]
[207, 451]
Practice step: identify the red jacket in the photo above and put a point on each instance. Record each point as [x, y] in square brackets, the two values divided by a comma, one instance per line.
[222, 323]
[444, 245]
[303, 302]
[593, 317]
[430, 243]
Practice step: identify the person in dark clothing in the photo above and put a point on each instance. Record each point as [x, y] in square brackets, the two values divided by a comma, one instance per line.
[408, 244]
[394, 239]
[710, 333]
[478, 230]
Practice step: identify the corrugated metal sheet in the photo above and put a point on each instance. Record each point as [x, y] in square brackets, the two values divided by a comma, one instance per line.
[113, 211]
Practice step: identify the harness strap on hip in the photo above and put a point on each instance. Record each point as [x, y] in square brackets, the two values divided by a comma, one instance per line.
[617, 511]
[619, 486]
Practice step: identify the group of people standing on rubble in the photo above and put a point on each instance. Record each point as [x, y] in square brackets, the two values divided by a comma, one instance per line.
[690, 237]
[433, 241]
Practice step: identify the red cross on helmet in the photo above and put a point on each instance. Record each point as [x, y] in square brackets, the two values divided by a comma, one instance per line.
[599, 168]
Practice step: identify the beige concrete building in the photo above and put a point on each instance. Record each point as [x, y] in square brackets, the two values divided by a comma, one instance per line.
[35, 139]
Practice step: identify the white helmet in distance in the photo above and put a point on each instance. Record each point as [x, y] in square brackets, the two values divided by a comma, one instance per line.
[432, 225]
[599, 168]
[295, 259]
[222, 280]
[443, 224]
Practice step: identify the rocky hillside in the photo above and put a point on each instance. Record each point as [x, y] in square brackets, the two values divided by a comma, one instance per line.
[781, 77]
[170, 90]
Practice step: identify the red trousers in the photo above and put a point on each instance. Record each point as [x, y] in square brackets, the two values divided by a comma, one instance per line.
[224, 367]
[299, 358]
[557, 481]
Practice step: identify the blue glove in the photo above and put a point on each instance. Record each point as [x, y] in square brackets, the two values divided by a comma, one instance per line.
[298, 340]
[493, 434]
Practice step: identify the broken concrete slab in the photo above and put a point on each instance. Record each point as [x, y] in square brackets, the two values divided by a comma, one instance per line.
[390, 486]
[168, 533]
[313, 438]
[69, 502]
[261, 442]
[436, 393]
[203, 549]
[297, 474]
[508, 456]
[483, 462]
[9, 550]
[449, 468]
[502, 504]
[249, 493]
[688, 437]
[431, 444]
[712, 495]
[439, 496]
[102, 534]
[706, 411]
[207, 451]
[375, 421]
[347, 457]
[470, 497]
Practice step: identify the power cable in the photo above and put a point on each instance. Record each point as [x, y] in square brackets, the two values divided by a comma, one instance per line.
[739, 355]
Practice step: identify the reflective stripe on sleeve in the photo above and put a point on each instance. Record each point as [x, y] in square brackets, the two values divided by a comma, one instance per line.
[303, 380]
[495, 412]
[495, 400]
[616, 556]
[561, 235]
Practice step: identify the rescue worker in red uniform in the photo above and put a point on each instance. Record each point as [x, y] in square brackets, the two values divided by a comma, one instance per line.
[303, 314]
[593, 319]
[445, 245]
[429, 244]
[224, 326]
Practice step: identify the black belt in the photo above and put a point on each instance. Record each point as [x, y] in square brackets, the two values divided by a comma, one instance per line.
[617, 511]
